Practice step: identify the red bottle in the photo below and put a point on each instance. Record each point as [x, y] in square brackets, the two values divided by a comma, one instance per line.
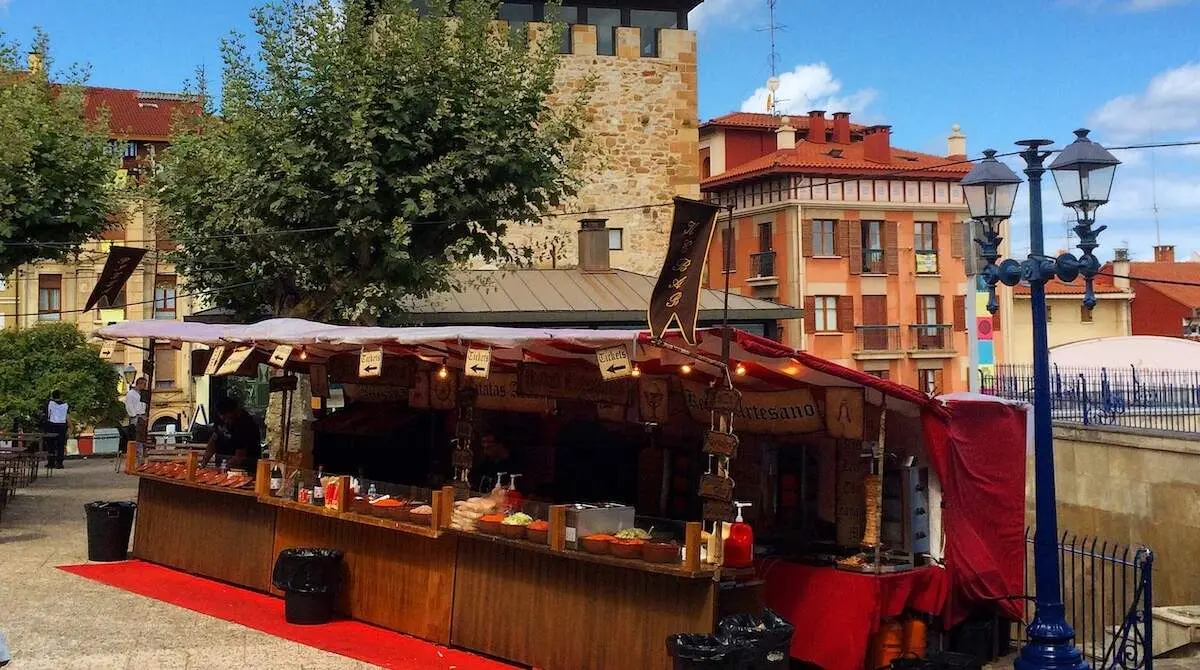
[739, 546]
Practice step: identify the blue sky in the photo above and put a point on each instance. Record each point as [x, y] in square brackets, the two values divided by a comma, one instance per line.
[1129, 69]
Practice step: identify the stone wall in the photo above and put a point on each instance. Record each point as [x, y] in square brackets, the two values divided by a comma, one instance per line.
[1134, 486]
[643, 143]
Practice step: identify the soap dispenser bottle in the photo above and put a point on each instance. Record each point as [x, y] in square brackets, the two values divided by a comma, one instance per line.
[739, 546]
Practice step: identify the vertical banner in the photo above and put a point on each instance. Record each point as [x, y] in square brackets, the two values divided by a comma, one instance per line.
[676, 296]
[117, 269]
[985, 344]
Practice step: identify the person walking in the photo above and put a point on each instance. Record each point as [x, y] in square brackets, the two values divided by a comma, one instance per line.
[56, 425]
[135, 413]
[5, 654]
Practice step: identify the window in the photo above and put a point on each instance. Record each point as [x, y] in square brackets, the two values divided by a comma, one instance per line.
[651, 21]
[111, 312]
[882, 374]
[164, 367]
[49, 297]
[706, 168]
[606, 22]
[1049, 314]
[130, 150]
[925, 246]
[565, 15]
[872, 247]
[929, 309]
[764, 236]
[518, 16]
[727, 249]
[164, 297]
[823, 240]
[826, 313]
[929, 381]
[1085, 313]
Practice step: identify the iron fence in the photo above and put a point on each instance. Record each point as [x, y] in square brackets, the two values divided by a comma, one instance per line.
[877, 338]
[1108, 597]
[762, 264]
[1130, 397]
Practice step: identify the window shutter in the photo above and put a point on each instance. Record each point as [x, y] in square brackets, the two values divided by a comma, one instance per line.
[960, 313]
[941, 315]
[996, 320]
[957, 241]
[810, 314]
[891, 231]
[841, 236]
[845, 313]
[855, 234]
[806, 237]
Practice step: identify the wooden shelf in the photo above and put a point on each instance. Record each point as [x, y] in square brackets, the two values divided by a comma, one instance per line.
[706, 572]
[193, 485]
[352, 517]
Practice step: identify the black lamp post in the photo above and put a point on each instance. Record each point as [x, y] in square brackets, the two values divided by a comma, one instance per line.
[1084, 174]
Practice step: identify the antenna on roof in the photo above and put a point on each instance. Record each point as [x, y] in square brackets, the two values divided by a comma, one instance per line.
[773, 57]
[1154, 200]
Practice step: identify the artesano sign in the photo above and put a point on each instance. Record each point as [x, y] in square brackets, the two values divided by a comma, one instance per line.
[775, 412]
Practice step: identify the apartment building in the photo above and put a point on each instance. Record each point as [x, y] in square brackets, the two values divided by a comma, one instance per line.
[866, 236]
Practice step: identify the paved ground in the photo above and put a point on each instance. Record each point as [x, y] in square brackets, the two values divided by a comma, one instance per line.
[57, 621]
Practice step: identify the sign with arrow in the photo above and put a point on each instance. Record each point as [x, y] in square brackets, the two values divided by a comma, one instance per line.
[370, 363]
[106, 349]
[614, 362]
[214, 360]
[479, 363]
[234, 362]
[280, 356]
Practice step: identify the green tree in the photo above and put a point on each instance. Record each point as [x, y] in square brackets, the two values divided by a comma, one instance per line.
[37, 361]
[56, 170]
[364, 152]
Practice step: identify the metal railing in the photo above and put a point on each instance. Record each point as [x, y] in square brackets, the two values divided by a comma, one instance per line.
[873, 262]
[1107, 592]
[1129, 397]
[931, 337]
[877, 338]
[762, 264]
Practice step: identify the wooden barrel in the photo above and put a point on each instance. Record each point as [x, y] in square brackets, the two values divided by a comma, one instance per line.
[887, 645]
[915, 629]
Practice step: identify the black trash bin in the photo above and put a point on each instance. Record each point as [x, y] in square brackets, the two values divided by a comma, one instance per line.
[309, 579]
[108, 527]
[706, 652]
[769, 638]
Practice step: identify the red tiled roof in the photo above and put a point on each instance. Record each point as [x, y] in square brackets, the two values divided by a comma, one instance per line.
[808, 157]
[1101, 283]
[1189, 296]
[767, 121]
[136, 115]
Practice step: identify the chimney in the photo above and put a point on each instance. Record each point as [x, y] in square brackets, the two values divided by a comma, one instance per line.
[1120, 268]
[841, 127]
[956, 143]
[816, 127]
[785, 137]
[877, 144]
[1164, 253]
[593, 245]
[35, 62]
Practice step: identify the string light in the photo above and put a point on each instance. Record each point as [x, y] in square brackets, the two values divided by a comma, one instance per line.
[685, 369]
[637, 372]
[442, 372]
[740, 370]
[303, 354]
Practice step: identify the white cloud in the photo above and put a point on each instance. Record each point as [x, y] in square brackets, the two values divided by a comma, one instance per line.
[1170, 103]
[1150, 5]
[727, 10]
[812, 86]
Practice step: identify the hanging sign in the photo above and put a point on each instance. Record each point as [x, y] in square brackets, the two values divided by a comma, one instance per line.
[375, 393]
[120, 265]
[214, 361]
[499, 393]
[234, 362]
[850, 507]
[280, 384]
[614, 363]
[280, 356]
[676, 295]
[370, 363]
[770, 412]
[106, 349]
[318, 380]
[844, 412]
[653, 394]
[399, 371]
[479, 362]
[566, 383]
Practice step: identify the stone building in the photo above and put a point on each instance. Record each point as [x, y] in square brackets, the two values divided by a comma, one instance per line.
[643, 122]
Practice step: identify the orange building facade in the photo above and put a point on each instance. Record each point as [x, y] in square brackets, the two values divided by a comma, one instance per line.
[866, 237]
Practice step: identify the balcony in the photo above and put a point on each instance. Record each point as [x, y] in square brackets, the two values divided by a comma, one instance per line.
[873, 262]
[876, 342]
[762, 269]
[927, 262]
[931, 341]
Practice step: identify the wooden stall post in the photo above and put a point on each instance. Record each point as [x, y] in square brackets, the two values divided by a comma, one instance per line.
[131, 452]
[691, 547]
[193, 459]
[558, 527]
[438, 503]
[342, 501]
[262, 479]
[445, 514]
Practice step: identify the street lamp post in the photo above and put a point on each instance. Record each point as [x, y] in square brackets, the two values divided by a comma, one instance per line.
[1083, 172]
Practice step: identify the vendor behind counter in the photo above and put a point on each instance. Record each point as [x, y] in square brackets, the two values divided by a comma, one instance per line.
[386, 442]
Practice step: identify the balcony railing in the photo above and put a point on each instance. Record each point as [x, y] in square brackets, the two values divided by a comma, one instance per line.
[877, 338]
[762, 264]
[931, 337]
[872, 262]
[927, 262]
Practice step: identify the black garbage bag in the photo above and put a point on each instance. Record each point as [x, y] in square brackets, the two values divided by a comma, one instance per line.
[108, 527]
[769, 638]
[691, 651]
[308, 570]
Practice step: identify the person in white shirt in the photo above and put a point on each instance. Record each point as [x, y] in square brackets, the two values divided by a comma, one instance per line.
[5, 655]
[57, 416]
[135, 412]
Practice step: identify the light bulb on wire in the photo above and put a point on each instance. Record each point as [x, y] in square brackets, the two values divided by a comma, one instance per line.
[442, 372]
[740, 370]
[685, 369]
[637, 372]
[303, 354]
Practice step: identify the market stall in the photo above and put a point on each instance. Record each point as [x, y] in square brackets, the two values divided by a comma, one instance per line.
[845, 476]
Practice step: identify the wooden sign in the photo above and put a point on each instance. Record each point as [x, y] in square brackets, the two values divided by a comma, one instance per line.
[850, 510]
[614, 363]
[370, 363]
[106, 349]
[214, 361]
[720, 444]
[566, 383]
[611, 413]
[767, 412]
[723, 399]
[376, 392]
[499, 393]
[844, 412]
[280, 356]
[713, 487]
[318, 380]
[280, 384]
[479, 363]
[443, 390]
[234, 361]
[343, 369]
[676, 295]
[718, 510]
[653, 396]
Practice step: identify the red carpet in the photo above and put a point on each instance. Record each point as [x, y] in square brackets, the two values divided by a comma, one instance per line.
[261, 612]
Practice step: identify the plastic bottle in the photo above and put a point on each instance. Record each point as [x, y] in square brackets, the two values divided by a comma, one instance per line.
[739, 545]
[372, 492]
